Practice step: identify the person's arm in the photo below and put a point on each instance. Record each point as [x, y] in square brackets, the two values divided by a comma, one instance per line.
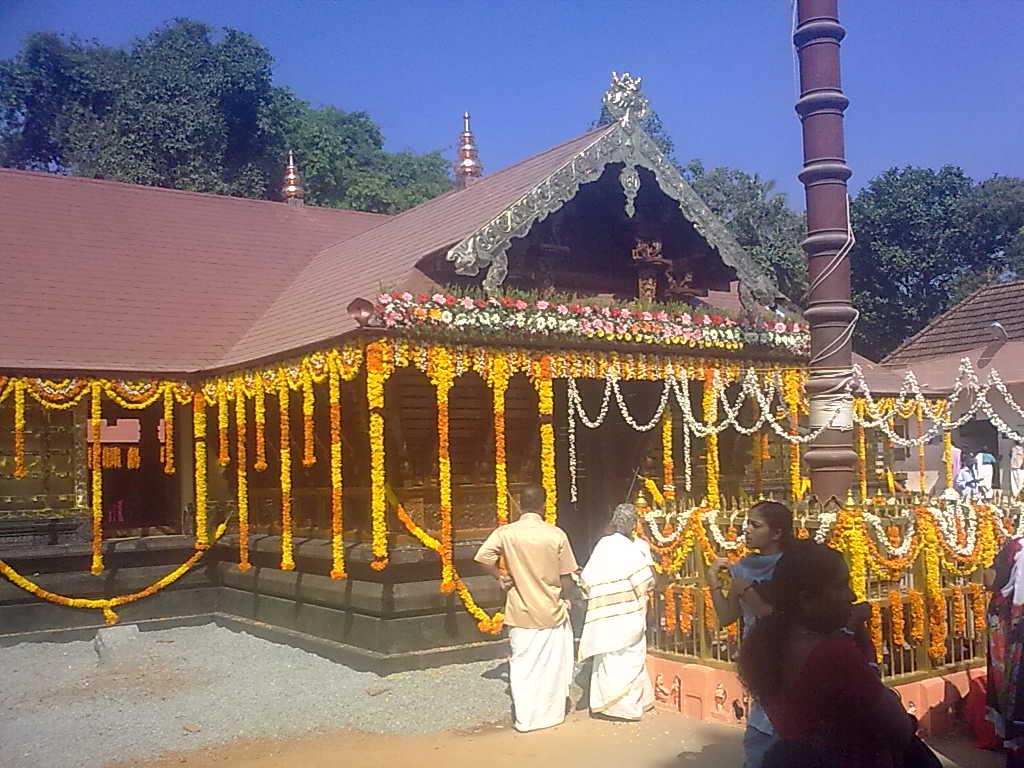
[488, 556]
[727, 606]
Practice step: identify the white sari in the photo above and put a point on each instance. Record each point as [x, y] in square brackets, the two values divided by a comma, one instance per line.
[616, 581]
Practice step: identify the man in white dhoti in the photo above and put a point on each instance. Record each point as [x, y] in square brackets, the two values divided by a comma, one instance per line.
[540, 563]
[615, 582]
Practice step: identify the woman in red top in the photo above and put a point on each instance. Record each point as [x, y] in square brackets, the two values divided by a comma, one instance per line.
[827, 704]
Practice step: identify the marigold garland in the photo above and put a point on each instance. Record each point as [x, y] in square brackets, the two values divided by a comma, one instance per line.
[19, 429]
[106, 604]
[668, 469]
[669, 619]
[792, 397]
[308, 407]
[442, 376]
[487, 624]
[337, 519]
[916, 600]
[498, 375]
[283, 393]
[377, 372]
[933, 591]
[545, 410]
[876, 630]
[896, 620]
[710, 618]
[96, 427]
[260, 414]
[223, 457]
[168, 430]
[199, 447]
[241, 471]
[862, 461]
[686, 609]
[709, 404]
[978, 609]
[959, 613]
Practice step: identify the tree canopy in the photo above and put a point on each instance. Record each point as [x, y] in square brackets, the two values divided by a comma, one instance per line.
[925, 239]
[192, 108]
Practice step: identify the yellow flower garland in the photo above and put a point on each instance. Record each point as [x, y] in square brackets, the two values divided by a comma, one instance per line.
[498, 374]
[242, 469]
[168, 429]
[96, 426]
[106, 604]
[668, 469]
[442, 376]
[378, 369]
[287, 555]
[19, 429]
[223, 457]
[199, 439]
[709, 403]
[308, 405]
[947, 453]
[545, 411]
[862, 453]
[337, 519]
[793, 397]
[260, 413]
[933, 591]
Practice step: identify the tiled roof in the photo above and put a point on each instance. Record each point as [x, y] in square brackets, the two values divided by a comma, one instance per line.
[104, 276]
[966, 326]
[312, 308]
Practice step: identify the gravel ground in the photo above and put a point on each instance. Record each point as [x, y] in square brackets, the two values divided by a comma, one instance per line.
[189, 687]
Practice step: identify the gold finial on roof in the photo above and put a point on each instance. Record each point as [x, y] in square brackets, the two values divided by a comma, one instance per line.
[467, 158]
[292, 189]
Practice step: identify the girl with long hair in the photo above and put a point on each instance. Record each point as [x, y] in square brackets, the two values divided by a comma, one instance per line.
[814, 682]
[769, 531]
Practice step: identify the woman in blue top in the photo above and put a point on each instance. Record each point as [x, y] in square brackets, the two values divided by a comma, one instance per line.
[769, 530]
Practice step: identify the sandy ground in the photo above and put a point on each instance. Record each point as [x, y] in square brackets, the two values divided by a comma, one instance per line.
[660, 741]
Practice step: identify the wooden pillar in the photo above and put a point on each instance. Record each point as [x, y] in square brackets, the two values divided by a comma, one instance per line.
[831, 458]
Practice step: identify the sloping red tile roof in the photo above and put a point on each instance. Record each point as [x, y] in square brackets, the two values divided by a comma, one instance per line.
[103, 276]
[312, 308]
[966, 326]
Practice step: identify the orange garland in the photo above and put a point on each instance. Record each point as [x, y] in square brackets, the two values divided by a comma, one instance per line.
[498, 377]
[916, 600]
[287, 557]
[978, 609]
[959, 613]
[897, 622]
[710, 619]
[670, 619]
[686, 610]
[876, 630]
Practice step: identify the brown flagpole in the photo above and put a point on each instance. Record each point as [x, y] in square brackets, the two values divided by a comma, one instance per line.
[831, 457]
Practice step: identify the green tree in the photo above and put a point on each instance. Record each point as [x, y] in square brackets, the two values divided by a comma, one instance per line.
[925, 239]
[760, 220]
[192, 108]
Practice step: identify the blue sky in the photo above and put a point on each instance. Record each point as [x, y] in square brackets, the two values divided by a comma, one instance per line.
[930, 81]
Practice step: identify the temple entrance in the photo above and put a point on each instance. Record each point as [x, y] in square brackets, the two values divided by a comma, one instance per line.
[609, 459]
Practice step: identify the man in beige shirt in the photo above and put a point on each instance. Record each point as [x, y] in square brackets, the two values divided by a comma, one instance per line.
[540, 562]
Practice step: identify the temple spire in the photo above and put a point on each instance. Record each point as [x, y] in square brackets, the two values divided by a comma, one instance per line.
[467, 160]
[292, 189]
